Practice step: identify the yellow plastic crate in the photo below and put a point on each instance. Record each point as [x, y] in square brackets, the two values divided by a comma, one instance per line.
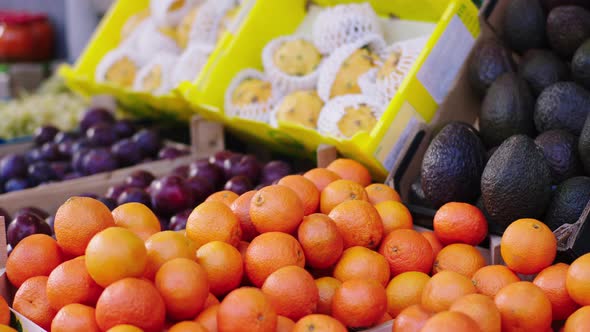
[456, 27]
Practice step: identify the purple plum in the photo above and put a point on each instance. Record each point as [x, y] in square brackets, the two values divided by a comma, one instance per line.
[110, 203]
[220, 157]
[207, 170]
[133, 194]
[149, 141]
[33, 155]
[50, 221]
[181, 171]
[274, 171]
[127, 152]
[40, 172]
[13, 165]
[124, 128]
[50, 152]
[98, 161]
[101, 134]
[139, 179]
[95, 116]
[61, 168]
[44, 134]
[16, 184]
[66, 148]
[78, 160]
[32, 210]
[201, 188]
[178, 221]
[115, 191]
[24, 225]
[170, 194]
[239, 184]
[164, 223]
[64, 136]
[171, 152]
[247, 166]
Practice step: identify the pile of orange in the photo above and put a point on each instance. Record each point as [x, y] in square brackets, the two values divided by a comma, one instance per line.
[322, 251]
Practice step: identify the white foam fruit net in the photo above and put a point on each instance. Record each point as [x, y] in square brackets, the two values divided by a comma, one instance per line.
[190, 62]
[259, 111]
[335, 109]
[207, 24]
[166, 63]
[165, 16]
[113, 56]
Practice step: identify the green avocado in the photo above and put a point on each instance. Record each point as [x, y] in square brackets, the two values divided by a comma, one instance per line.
[568, 202]
[541, 68]
[489, 60]
[567, 28]
[452, 165]
[516, 182]
[507, 110]
[560, 149]
[584, 145]
[563, 105]
[524, 25]
[581, 65]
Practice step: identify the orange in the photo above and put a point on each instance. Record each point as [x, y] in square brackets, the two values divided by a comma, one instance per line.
[213, 221]
[481, 309]
[359, 223]
[379, 192]
[321, 241]
[136, 216]
[35, 255]
[210, 301]
[444, 288]
[362, 263]
[351, 170]
[340, 191]
[552, 282]
[327, 286]
[459, 257]
[306, 190]
[4, 312]
[187, 326]
[359, 303]
[405, 290]
[226, 197]
[321, 177]
[164, 246]
[276, 208]
[292, 292]
[183, 285]
[528, 246]
[579, 321]
[246, 309]
[458, 222]
[406, 250]
[411, 319]
[78, 220]
[242, 247]
[208, 318]
[434, 242]
[386, 318]
[75, 317]
[69, 283]
[223, 264]
[124, 328]
[131, 301]
[394, 215]
[450, 321]
[269, 252]
[114, 254]
[241, 208]
[6, 328]
[524, 307]
[319, 322]
[578, 280]
[490, 279]
[284, 324]
[31, 301]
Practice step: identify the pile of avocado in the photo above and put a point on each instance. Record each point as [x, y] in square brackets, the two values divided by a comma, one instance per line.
[531, 155]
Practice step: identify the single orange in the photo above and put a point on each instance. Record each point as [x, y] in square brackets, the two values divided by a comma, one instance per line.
[4, 311]
[187, 326]
[31, 301]
[450, 321]
[528, 246]
[292, 292]
[319, 322]
[246, 309]
[552, 282]
[359, 303]
[226, 197]
[276, 208]
[490, 279]
[379, 192]
[327, 286]
[164, 246]
[69, 283]
[444, 288]
[241, 208]
[6, 328]
[131, 301]
[223, 264]
[114, 254]
[405, 290]
[578, 280]
[284, 324]
[35, 255]
[524, 307]
[124, 328]
[394, 215]
[184, 287]
[340, 191]
[269, 252]
[306, 190]
[359, 223]
[78, 220]
[459, 257]
[458, 222]
[321, 241]
[208, 318]
[75, 317]
[321, 177]
[481, 309]
[351, 170]
[213, 221]
[362, 263]
[136, 217]
[406, 250]
[579, 321]
[411, 319]
[434, 242]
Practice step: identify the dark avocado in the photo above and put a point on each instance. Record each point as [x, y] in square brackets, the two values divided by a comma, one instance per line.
[541, 68]
[452, 165]
[581, 65]
[516, 182]
[563, 105]
[507, 110]
[568, 202]
[524, 25]
[567, 28]
[489, 60]
[550, 4]
[560, 149]
[416, 194]
[584, 145]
